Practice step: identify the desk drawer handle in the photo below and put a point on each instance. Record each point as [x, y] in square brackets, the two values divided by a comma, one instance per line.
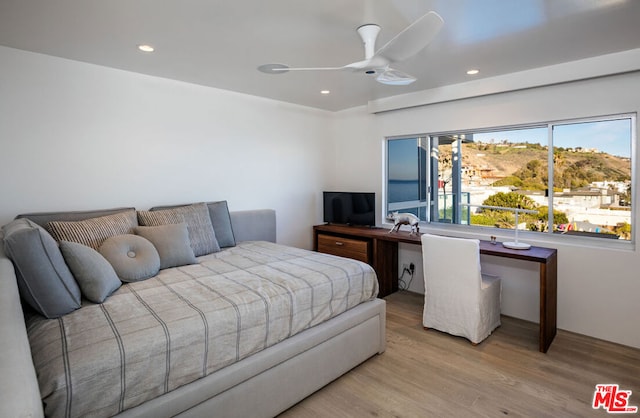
[339, 243]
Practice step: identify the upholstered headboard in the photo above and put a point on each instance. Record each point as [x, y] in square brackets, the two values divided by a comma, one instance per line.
[248, 225]
[42, 218]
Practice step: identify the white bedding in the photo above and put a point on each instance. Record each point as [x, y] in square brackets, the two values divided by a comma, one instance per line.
[153, 336]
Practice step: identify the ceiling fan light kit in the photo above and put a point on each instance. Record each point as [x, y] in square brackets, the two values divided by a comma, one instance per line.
[403, 46]
[393, 77]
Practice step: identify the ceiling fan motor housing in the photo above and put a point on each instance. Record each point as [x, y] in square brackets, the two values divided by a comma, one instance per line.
[369, 33]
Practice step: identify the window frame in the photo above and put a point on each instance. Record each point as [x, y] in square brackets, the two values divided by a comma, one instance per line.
[547, 236]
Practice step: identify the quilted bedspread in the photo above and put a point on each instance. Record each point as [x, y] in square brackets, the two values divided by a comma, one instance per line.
[153, 336]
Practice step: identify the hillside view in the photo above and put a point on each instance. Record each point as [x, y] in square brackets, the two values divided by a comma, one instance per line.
[521, 170]
[524, 166]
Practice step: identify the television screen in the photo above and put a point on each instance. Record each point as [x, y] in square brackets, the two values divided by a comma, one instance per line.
[350, 208]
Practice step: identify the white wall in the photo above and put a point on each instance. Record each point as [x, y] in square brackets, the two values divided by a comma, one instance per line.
[80, 136]
[598, 288]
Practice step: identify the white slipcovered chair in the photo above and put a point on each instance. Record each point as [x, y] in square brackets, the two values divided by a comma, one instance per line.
[459, 299]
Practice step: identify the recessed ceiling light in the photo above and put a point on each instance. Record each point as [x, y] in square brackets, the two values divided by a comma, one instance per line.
[145, 48]
[325, 91]
[473, 72]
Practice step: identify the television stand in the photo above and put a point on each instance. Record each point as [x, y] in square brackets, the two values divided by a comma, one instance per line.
[372, 245]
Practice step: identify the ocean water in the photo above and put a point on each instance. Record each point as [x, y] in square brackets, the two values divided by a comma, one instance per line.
[406, 191]
[403, 190]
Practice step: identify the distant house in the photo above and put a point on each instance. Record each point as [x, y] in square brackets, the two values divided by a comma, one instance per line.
[587, 198]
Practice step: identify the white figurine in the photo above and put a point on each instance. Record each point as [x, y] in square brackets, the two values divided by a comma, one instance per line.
[404, 219]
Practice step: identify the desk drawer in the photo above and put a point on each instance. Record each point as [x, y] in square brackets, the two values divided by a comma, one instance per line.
[344, 247]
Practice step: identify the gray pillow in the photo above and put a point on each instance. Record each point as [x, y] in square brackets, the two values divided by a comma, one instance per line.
[171, 242]
[93, 232]
[219, 213]
[196, 216]
[132, 257]
[97, 279]
[44, 280]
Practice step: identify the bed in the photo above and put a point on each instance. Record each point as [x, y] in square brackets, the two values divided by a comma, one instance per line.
[247, 331]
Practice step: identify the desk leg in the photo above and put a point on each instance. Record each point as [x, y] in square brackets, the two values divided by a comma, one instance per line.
[385, 263]
[548, 302]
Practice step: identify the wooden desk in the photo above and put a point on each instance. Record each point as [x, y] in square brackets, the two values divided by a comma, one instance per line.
[379, 248]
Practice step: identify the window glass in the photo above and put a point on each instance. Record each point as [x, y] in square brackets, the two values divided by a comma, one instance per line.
[592, 178]
[406, 176]
[493, 178]
[507, 169]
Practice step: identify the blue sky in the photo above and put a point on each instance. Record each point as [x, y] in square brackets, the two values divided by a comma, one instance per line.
[612, 136]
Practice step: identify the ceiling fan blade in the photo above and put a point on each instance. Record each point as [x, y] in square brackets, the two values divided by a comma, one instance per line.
[282, 68]
[413, 39]
[395, 78]
[311, 69]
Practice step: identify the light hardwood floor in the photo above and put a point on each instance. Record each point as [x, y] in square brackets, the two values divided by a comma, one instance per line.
[432, 374]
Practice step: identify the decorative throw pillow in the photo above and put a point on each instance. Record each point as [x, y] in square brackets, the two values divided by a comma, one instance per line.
[220, 219]
[171, 242]
[132, 257]
[201, 234]
[93, 232]
[97, 279]
[44, 280]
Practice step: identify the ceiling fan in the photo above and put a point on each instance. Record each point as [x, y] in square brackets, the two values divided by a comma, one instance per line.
[403, 46]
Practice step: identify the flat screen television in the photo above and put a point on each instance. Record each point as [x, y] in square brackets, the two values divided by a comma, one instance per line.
[350, 208]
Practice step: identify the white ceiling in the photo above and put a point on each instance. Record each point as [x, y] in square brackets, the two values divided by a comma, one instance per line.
[220, 43]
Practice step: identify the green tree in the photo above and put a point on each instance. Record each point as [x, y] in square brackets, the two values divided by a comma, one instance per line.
[543, 216]
[482, 219]
[533, 176]
[501, 218]
[623, 229]
[510, 200]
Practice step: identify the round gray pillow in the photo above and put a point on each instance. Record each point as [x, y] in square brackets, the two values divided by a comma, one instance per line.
[133, 258]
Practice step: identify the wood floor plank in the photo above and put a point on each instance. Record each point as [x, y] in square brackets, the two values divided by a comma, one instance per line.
[430, 373]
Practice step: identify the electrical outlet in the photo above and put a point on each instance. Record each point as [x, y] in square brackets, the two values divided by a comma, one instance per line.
[412, 268]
